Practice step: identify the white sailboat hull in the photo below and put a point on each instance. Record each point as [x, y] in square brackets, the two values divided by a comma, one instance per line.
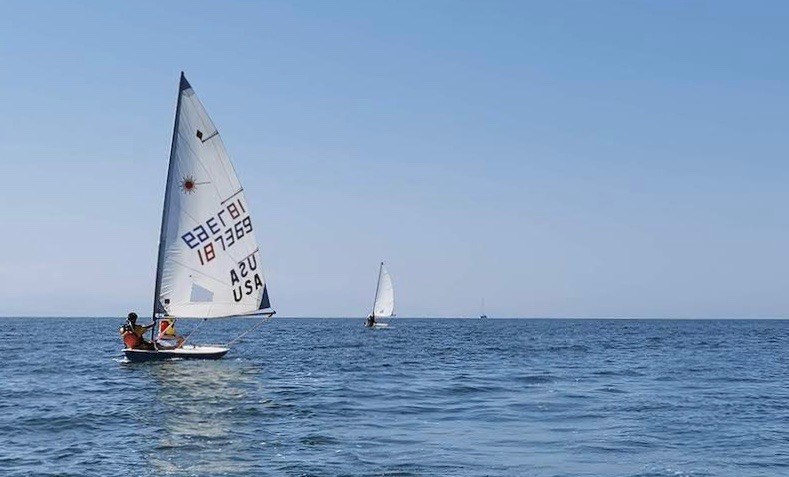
[381, 325]
[187, 352]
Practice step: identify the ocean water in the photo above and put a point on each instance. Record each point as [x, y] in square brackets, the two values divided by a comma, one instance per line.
[424, 397]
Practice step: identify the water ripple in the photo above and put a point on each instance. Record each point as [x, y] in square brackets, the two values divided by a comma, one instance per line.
[425, 397]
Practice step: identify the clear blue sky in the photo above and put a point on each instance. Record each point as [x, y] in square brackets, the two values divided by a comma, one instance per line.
[561, 159]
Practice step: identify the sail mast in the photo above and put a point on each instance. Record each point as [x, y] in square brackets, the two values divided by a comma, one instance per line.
[377, 287]
[157, 305]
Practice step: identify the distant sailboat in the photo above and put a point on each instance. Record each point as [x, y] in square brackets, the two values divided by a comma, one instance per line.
[209, 262]
[383, 305]
[482, 314]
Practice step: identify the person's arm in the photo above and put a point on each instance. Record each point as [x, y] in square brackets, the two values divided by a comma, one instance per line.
[148, 327]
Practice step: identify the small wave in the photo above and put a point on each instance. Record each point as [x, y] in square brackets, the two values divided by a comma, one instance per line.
[659, 471]
[317, 440]
[612, 390]
[575, 347]
[463, 389]
[534, 379]
[612, 372]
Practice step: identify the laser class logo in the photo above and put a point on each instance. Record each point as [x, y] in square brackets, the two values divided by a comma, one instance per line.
[188, 185]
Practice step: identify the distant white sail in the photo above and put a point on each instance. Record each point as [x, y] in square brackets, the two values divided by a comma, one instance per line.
[209, 261]
[384, 296]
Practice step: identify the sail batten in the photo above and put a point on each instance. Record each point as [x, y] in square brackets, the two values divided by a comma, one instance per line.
[206, 226]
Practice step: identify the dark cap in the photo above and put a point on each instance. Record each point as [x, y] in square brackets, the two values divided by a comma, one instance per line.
[132, 316]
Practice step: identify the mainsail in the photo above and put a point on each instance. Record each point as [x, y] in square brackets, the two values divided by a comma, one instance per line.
[209, 262]
[384, 295]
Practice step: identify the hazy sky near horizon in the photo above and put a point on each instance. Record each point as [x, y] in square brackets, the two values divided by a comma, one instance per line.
[561, 159]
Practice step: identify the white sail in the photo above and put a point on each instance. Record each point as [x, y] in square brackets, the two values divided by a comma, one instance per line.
[384, 296]
[209, 261]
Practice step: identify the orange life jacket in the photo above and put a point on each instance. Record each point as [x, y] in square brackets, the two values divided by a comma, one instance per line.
[167, 328]
[131, 340]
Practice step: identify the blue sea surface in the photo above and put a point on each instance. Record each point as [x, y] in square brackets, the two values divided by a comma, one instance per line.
[423, 397]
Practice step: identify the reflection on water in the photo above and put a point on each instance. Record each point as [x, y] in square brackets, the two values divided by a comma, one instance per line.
[202, 409]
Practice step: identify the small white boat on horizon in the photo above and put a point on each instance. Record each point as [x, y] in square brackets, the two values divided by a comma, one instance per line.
[383, 305]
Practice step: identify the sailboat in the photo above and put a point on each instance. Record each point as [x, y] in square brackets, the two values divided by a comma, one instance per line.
[383, 305]
[482, 314]
[209, 264]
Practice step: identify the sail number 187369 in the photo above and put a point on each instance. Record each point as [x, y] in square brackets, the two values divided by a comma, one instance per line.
[224, 229]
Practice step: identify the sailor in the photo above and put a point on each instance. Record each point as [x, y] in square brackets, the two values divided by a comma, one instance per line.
[370, 321]
[168, 338]
[132, 333]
